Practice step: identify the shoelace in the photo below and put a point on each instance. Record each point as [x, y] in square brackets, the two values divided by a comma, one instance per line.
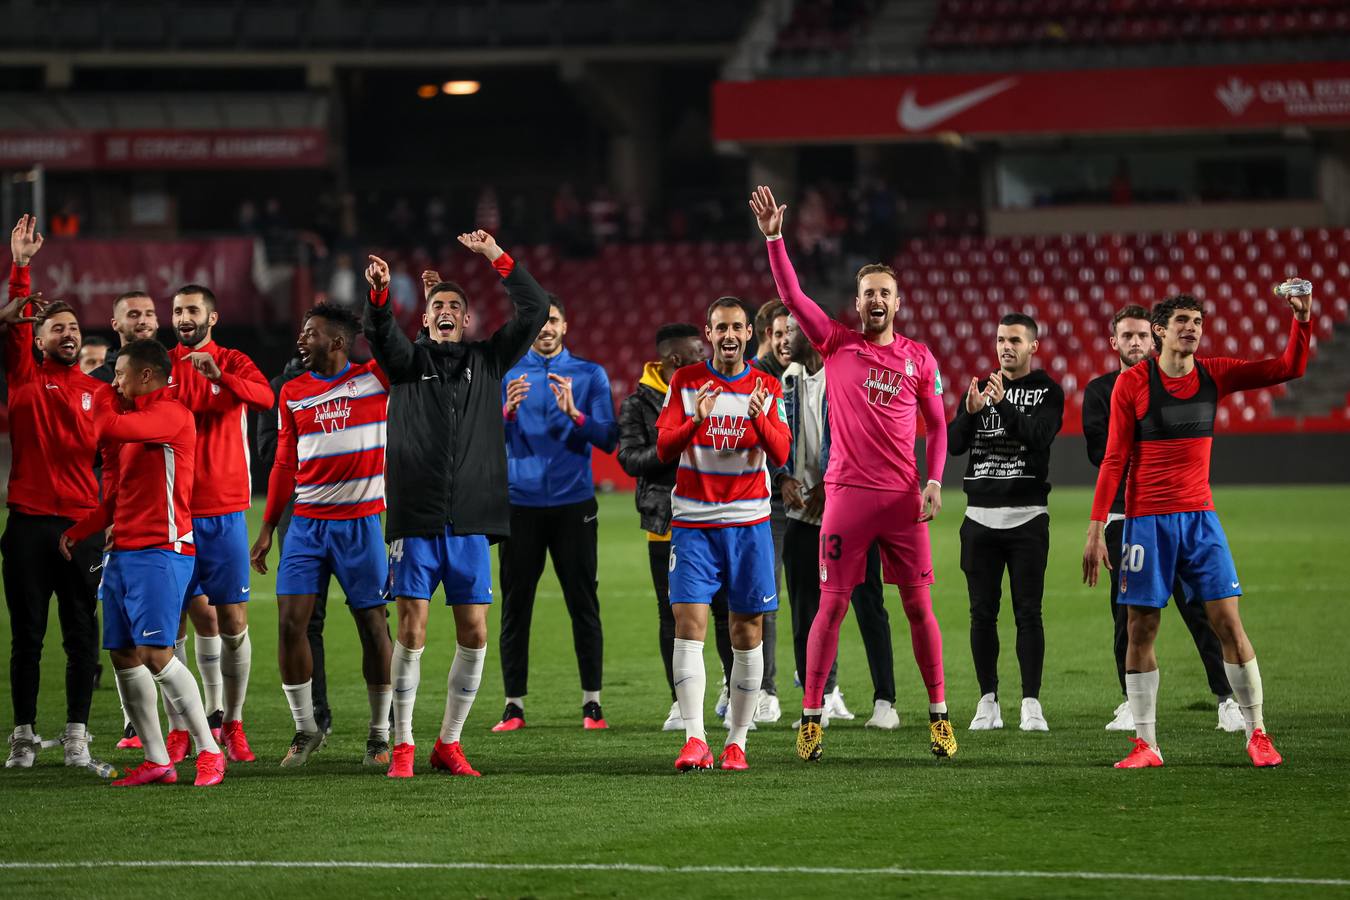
[1262, 742]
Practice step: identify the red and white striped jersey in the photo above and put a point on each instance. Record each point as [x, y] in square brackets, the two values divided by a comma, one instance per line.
[149, 455]
[330, 445]
[219, 408]
[723, 477]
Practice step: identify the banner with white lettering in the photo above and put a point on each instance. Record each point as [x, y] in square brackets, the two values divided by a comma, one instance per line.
[896, 107]
[89, 273]
[276, 148]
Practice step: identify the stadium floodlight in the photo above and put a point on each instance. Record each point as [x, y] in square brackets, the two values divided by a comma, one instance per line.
[461, 88]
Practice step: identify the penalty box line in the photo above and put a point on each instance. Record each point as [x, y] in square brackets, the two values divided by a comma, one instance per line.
[652, 869]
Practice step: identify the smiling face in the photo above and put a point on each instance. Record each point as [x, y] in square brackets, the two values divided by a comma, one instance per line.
[193, 319]
[134, 319]
[447, 317]
[1132, 340]
[1015, 348]
[728, 331]
[1182, 333]
[58, 337]
[550, 339]
[877, 300]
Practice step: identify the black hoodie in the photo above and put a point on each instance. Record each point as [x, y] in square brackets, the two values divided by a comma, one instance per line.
[1009, 442]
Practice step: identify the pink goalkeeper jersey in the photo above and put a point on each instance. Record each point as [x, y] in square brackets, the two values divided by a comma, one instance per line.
[873, 392]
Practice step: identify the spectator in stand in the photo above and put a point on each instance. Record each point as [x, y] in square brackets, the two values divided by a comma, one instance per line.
[342, 283]
[403, 292]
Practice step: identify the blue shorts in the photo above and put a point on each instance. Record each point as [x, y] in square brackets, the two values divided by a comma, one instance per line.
[142, 594]
[739, 557]
[351, 550]
[460, 562]
[1189, 547]
[222, 559]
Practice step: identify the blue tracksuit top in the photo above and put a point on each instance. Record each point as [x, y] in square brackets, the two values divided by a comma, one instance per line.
[548, 456]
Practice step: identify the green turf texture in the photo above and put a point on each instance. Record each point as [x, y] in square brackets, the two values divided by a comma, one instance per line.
[554, 793]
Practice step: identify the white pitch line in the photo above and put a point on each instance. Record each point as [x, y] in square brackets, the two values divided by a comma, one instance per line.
[650, 869]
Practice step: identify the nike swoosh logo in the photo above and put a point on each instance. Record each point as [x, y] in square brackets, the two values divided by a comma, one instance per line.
[468, 690]
[683, 680]
[151, 633]
[913, 117]
[401, 690]
[245, 590]
[926, 574]
[430, 377]
[589, 519]
[1235, 584]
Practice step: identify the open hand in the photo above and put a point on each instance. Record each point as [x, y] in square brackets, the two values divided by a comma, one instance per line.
[562, 392]
[705, 400]
[517, 389]
[377, 274]
[24, 241]
[12, 312]
[1094, 554]
[768, 214]
[974, 398]
[430, 278]
[481, 242]
[758, 398]
[994, 389]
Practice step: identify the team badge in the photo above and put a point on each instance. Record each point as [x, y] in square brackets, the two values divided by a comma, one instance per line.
[351, 388]
[824, 574]
[468, 376]
[909, 368]
[215, 390]
[86, 401]
[1122, 584]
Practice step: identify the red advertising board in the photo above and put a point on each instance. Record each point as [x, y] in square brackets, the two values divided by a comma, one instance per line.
[896, 107]
[88, 274]
[165, 149]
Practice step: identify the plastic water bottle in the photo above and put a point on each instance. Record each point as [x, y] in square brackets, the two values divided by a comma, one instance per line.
[100, 768]
[1294, 287]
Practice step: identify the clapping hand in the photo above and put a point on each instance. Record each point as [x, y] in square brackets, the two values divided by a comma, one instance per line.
[758, 398]
[768, 214]
[516, 391]
[562, 392]
[705, 400]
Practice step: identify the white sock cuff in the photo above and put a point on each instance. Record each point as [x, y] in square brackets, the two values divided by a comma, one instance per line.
[166, 673]
[470, 653]
[403, 652]
[745, 656]
[208, 642]
[180, 643]
[134, 674]
[235, 641]
[687, 645]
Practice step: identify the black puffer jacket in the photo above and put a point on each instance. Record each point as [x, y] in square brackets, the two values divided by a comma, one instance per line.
[445, 452]
[637, 455]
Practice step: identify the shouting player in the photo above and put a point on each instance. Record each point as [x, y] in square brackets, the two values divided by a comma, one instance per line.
[330, 456]
[876, 383]
[218, 386]
[447, 480]
[148, 458]
[1162, 425]
[724, 422]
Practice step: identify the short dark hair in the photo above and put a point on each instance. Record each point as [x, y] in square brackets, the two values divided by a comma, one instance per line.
[340, 317]
[441, 287]
[676, 331]
[1022, 319]
[554, 301]
[767, 313]
[1132, 311]
[874, 269]
[56, 307]
[95, 340]
[148, 352]
[1164, 309]
[730, 302]
[205, 291]
[131, 295]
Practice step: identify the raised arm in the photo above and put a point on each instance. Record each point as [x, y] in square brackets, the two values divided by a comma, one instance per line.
[391, 348]
[813, 321]
[1233, 375]
[961, 431]
[513, 338]
[22, 310]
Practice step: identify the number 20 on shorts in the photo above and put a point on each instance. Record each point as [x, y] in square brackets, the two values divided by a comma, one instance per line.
[1132, 558]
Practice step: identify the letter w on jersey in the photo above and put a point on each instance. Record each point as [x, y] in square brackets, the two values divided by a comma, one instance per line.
[333, 415]
[882, 385]
[726, 432]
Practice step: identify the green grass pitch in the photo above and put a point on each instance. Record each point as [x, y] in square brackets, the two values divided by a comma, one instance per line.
[876, 808]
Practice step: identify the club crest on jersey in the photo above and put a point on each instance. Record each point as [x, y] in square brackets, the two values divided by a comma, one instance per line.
[215, 390]
[909, 368]
[86, 401]
[726, 431]
[824, 574]
[351, 388]
[882, 385]
[333, 415]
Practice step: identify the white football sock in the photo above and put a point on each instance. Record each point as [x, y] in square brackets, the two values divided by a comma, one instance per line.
[937, 707]
[747, 674]
[380, 697]
[122, 700]
[176, 720]
[177, 683]
[590, 697]
[518, 701]
[180, 649]
[137, 687]
[207, 651]
[466, 671]
[691, 679]
[1246, 681]
[236, 661]
[406, 672]
[1141, 691]
[301, 700]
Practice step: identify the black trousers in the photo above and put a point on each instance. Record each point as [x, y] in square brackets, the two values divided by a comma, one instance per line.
[801, 558]
[314, 632]
[33, 570]
[985, 553]
[1193, 614]
[658, 554]
[567, 534]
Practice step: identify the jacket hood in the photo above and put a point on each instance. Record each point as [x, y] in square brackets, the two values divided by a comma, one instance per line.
[652, 377]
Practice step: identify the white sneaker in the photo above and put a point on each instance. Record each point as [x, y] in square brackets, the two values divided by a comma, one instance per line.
[824, 716]
[834, 705]
[723, 700]
[1032, 717]
[884, 716]
[1230, 717]
[987, 714]
[1124, 719]
[23, 748]
[768, 709]
[76, 747]
[674, 721]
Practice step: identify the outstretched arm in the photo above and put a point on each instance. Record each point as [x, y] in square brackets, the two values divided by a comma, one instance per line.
[22, 310]
[1232, 375]
[531, 302]
[814, 322]
[388, 344]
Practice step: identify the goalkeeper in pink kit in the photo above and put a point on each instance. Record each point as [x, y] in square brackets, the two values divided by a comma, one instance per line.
[876, 382]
